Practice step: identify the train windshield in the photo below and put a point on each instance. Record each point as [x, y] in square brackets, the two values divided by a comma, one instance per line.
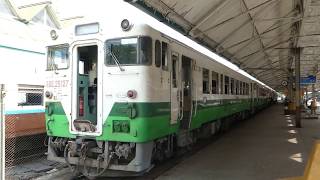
[129, 51]
[57, 58]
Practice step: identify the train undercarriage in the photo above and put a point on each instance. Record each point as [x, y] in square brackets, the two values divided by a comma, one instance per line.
[92, 158]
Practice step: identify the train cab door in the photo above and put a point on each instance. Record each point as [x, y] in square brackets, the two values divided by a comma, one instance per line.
[186, 87]
[87, 64]
[175, 90]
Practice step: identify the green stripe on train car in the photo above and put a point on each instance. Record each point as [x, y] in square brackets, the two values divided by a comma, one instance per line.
[148, 121]
[57, 123]
[142, 129]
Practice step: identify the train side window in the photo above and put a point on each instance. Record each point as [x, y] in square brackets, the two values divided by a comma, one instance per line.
[237, 87]
[226, 84]
[175, 60]
[157, 53]
[232, 86]
[243, 88]
[240, 88]
[205, 81]
[247, 89]
[221, 84]
[215, 83]
[164, 56]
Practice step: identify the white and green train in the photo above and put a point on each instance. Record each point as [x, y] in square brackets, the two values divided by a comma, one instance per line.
[121, 96]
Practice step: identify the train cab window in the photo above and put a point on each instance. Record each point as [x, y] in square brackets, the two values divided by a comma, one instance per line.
[58, 58]
[215, 83]
[157, 49]
[129, 51]
[164, 57]
[232, 86]
[205, 81]
[221, 84]
[226, 84]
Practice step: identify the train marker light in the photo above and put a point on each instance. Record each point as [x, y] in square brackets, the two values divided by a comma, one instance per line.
[125, 25]
[48, 94]
[53, 34]
[132, 94]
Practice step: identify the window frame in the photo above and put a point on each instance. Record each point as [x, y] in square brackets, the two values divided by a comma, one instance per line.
[232, 86]
[221, 84]
[157, 51]
[208, 81]
[30, 89]
[217, 83]
[226, 84]
[175, 69]
[137, 49]
[237, 87]
[67, 46]
[165, 56]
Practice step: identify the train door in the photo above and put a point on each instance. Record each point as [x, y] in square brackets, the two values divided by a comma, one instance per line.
[175, 93]
[87, 62]
[186, 76]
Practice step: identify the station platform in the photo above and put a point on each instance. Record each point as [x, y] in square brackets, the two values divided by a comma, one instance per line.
[265, 147]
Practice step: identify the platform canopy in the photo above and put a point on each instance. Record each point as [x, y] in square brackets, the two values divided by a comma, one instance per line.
[262, 37]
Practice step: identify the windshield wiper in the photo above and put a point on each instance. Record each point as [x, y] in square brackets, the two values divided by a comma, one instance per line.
[53, 65]
[115, 59]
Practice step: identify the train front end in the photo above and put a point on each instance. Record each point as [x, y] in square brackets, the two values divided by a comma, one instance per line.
[97, 115]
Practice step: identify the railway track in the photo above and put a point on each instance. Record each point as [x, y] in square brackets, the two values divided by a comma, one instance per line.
[24, 148]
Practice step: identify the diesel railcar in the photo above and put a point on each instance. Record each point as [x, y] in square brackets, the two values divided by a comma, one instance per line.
[121, 96]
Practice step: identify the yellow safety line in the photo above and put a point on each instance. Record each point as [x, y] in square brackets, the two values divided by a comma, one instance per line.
[312, 170]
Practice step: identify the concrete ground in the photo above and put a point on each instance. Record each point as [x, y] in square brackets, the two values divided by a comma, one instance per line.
[265, 147]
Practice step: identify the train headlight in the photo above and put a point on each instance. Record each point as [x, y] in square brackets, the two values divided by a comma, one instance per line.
[53, 34]
[132, 94]
[125, 25]
[116, 126]
[125, 127]
[120, 126]
[48, 94]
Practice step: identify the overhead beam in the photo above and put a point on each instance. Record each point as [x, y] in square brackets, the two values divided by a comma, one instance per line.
[230, 34]
[264, 49]
[235, 17]
[259, 36]
[253, 38]
[280, 69]
[242, 48]
[273, 62]
[207, 16]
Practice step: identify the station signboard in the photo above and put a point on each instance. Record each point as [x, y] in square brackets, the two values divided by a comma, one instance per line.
[308, 80]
